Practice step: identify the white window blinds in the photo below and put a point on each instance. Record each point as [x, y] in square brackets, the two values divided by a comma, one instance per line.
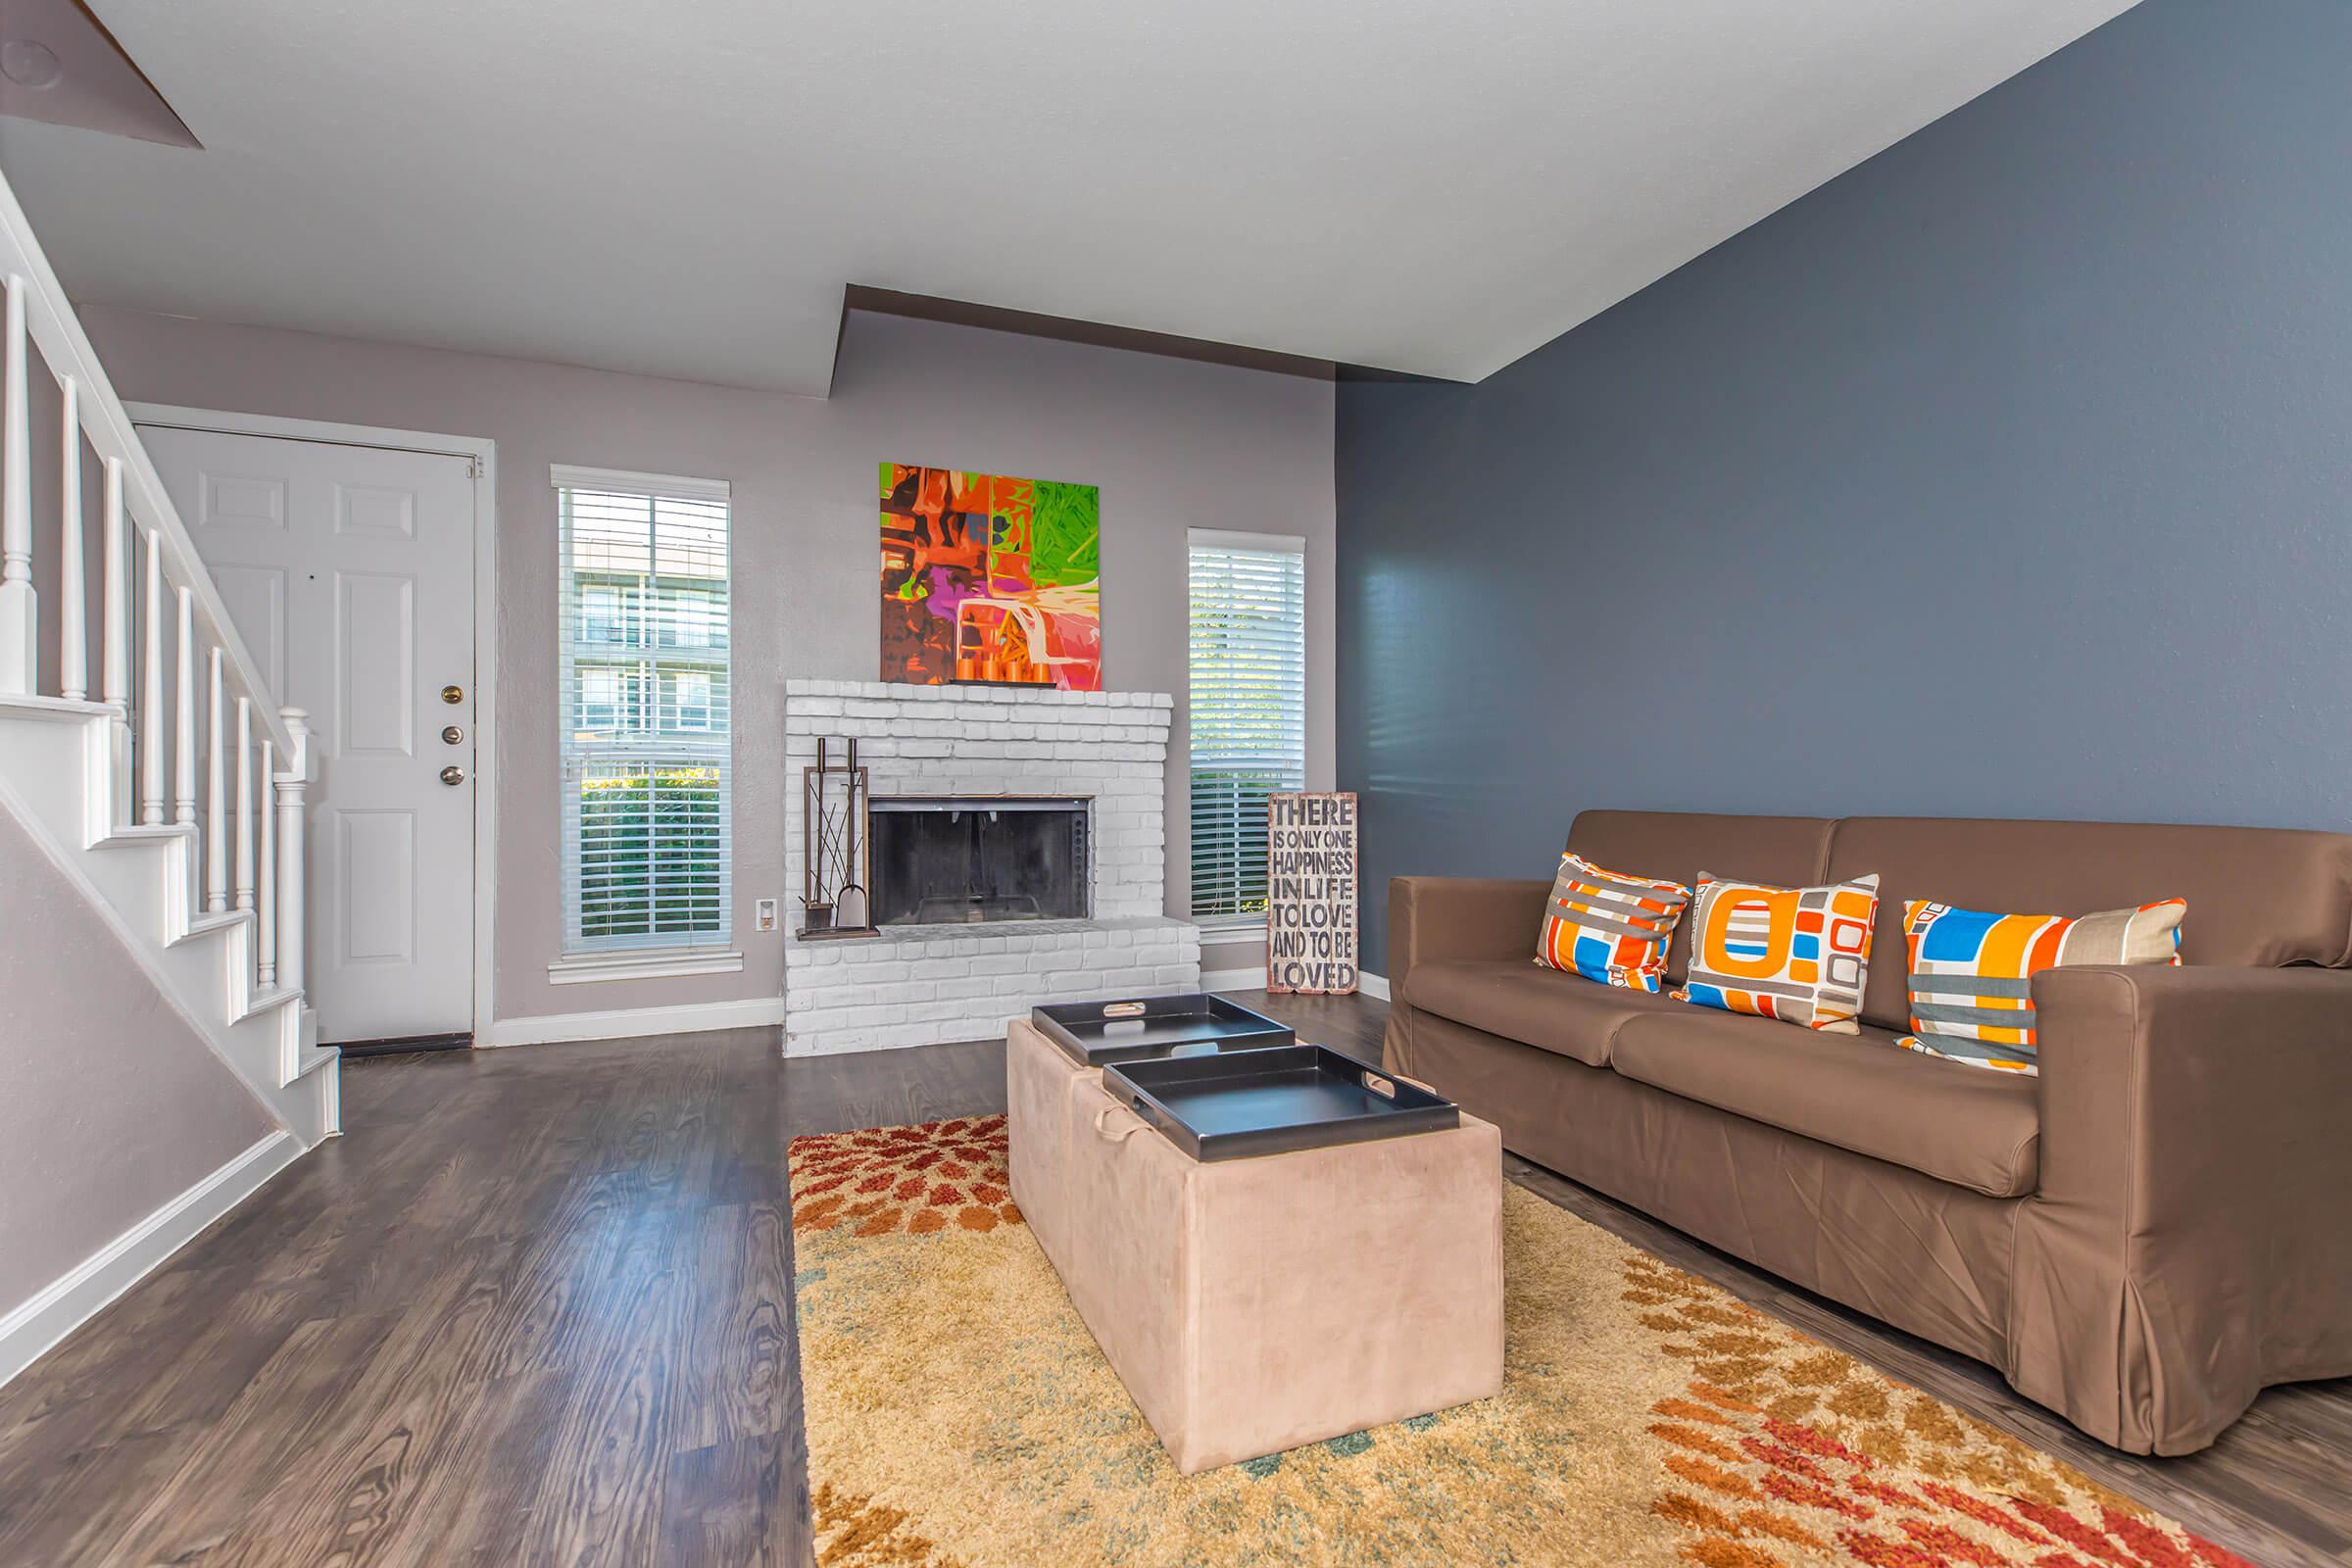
[1248, 706]
[643, 629]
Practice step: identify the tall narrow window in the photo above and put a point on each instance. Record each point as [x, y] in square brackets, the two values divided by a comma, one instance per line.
[642, 624]
[1248, 708]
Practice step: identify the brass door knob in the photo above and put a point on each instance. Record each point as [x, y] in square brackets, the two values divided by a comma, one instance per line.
[452, 775]
[453, 695]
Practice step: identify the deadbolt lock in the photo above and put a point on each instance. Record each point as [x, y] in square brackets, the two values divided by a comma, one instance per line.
[453, 735]
[452, 775]
[453, 695]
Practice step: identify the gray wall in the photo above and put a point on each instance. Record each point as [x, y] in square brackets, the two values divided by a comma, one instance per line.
[1172, 443]
[111, 1103]
[2004, 475]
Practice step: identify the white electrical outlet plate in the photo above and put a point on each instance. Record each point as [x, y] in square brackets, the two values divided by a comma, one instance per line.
[766, 918]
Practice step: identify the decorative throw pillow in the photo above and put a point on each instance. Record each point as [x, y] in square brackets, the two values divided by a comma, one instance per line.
[1609, 927]
[1799, 954]
[1972, 996]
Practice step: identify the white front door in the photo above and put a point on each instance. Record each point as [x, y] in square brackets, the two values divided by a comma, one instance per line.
[349, 571]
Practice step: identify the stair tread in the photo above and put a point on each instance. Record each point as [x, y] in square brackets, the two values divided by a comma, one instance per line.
[53, 707]
[145, 833]
[316, 1058]
[275, 997]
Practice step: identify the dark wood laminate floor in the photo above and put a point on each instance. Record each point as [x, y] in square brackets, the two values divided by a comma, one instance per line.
[535, 1308]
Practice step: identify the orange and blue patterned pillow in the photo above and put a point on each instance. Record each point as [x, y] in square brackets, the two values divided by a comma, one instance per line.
[1799, 955]
[1972, 995]
[1609, 927]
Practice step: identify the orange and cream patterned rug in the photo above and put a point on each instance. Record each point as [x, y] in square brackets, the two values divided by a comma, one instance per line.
[959, 1416]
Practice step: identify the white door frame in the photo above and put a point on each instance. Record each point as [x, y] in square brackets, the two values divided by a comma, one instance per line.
[484, 454]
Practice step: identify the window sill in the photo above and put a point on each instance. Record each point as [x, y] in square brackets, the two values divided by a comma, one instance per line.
[1230, 926]
[654, 963]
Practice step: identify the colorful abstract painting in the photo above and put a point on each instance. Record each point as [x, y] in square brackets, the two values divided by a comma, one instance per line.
[989, 579]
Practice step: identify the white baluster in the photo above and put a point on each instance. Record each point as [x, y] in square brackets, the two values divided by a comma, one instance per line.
[183, 711]
[74, 648]
[151, 691]
[269, 882]
[244, 891]
[20, 619]
[113, 673]
[114, 677]
[290, 864]
[216, 808]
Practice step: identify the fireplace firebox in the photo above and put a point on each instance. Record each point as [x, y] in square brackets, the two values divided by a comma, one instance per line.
[966, 860]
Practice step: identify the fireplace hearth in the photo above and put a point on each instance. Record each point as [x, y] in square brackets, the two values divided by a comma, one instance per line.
[975, 860]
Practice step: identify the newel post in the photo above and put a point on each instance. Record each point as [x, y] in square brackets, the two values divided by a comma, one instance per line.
[292, 788]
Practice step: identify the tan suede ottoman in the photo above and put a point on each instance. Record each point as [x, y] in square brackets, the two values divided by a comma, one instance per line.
[1039, 1083]
[1253, 1305]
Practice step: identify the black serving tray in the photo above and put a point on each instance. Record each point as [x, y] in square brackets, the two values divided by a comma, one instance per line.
[1096, 1034]
[1273, 1100]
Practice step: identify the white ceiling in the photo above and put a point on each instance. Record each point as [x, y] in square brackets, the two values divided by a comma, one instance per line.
[684, 188]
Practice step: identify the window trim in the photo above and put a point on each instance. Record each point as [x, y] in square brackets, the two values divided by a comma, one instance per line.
[1284, 543]
[1230, 922]
[1273, 544]
[687, 953]
[629, 481]
[592, 965]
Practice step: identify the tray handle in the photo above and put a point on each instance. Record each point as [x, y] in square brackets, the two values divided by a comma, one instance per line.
[1379, 1084]
[1146, 1114]
[1102, 1117]
[1427, 1088]
[1122, 1009]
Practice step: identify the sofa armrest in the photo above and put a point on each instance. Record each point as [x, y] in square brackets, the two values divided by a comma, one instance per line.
[1460, 918]
[2194, 1168]
[2203, 1088]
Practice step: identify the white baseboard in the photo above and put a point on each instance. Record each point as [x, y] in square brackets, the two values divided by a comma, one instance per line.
[1372, 985]
[31, 1331]
[750, 1012]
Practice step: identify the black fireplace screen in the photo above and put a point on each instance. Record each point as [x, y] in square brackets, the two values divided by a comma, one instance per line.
[966, 860]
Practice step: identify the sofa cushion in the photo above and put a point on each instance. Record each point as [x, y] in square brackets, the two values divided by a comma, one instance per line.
[2257, 896]
[1790, 851]
[1521, 1000]
[1979, 1130]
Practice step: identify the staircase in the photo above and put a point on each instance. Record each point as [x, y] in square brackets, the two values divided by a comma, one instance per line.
[170, 788]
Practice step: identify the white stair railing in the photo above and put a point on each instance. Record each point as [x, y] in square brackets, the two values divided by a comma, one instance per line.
[157, 611]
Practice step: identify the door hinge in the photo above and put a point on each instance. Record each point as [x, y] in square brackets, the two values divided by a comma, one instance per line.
[474, 466]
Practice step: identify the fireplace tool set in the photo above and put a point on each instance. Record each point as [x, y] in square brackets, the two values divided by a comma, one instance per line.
[834, 847]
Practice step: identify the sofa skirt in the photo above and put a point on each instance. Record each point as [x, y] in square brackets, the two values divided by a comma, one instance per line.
[1906, 1248]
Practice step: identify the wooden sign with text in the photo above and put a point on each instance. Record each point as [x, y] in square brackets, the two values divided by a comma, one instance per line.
[1310, 893]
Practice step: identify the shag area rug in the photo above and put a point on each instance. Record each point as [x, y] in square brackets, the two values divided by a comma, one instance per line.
[959, 1416]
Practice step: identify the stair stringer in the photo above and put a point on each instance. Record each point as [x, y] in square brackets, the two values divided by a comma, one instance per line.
[60, 774]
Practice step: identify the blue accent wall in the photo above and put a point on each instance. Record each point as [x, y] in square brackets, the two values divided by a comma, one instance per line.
[2009, 474]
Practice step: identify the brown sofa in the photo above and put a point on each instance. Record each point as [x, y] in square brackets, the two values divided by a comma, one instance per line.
[2141, 1238]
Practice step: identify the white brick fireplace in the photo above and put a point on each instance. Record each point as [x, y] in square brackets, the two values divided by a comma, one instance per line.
[917, 984]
